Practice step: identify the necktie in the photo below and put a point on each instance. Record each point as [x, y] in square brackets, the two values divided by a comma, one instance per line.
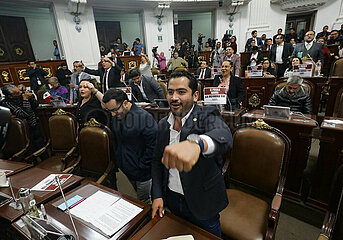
[77, 79]
[202, 75]
[104, 84]
[307, 46]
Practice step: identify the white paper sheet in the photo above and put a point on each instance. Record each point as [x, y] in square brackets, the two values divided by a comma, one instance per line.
[182, 237]
[49, 183]
[334, 121]
[105, 212]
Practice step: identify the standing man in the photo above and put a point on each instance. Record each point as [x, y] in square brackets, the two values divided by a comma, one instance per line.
[75, 80]
[216, 55]
[109, 75]
[203, 71]
[280, 54]
[64, 75]
[36, 75]
[144, 88]
[234, 58]
[138, 48]
[292, 34]
[134, 139]
[254, 37]
[279, 32]
[309, 48]
[187, 163]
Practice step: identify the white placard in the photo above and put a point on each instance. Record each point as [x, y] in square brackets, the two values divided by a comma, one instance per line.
[128, 91]
[215, 95]
[255, 71]
[303, 70]
[49, 183]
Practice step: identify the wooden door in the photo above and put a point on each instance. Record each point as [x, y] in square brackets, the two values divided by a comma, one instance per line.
[183, 30]
[108, 32]
[15, 43]
[302, 23]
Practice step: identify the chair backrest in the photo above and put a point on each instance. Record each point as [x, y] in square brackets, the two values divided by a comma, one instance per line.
[40, 94]
[17, 139]
[338, 107]
[179, 69]
[337, 68]
[63, 131]
[154, 71]
[96, 148]
[307, 85]
[259, 157]
[163, 85]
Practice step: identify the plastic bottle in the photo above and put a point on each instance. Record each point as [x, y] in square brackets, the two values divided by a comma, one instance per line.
[317, 69]
[28, 202]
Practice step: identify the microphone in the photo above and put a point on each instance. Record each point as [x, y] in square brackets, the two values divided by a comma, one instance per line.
[15, 205]
[67, 207]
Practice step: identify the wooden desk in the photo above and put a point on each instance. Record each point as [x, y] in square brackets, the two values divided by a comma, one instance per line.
[157, 113]
[130, 62]
[233, 118]
[336, 83]
[208, 82]
[168, 226]
[16, 167]
[28, 179]
[329, 159]
[300, 133]
[84, 231]
[258, 91]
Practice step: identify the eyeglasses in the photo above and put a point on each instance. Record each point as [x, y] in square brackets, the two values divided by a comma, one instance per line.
[107, 61]
[115, 110]
[278, 38]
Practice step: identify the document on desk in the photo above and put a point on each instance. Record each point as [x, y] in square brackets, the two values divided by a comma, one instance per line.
[49, 183]
[106, 212]
[6, 171]
[181, 237]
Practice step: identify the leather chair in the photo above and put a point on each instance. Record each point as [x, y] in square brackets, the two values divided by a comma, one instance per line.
[307, 85]
[179, 69]
[258, 165]
[96, 156]
[332, 227]
[40, 94]
[17, 140]
[163, 85]
[154, 71]
[337, 68]
[63, 135]
[338, 107]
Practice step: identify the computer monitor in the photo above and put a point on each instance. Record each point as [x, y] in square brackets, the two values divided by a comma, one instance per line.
[277, 112]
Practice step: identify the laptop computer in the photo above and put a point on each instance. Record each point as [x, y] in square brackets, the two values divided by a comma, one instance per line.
[277, 112]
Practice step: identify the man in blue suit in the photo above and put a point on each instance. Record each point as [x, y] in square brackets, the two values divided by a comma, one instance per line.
[134, 137]
[258, 40]
[187, 162]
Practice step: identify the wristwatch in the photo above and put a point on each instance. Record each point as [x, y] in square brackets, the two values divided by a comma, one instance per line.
[196, 139]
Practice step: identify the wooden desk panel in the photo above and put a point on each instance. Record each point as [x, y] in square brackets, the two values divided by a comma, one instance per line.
[336, 83]
[130, 62]
[300, 133]
[16, 167]
[62, 219]
[329, 159]
[168, 226]
[28, 179]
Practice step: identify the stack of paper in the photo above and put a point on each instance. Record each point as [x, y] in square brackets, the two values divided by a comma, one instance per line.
[106, 212]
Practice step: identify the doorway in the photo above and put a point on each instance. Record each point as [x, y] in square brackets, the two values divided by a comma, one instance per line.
[301, 22]
[183, 31]
[108, 32]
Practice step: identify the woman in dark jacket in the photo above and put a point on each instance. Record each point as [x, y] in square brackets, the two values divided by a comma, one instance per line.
[233, 85]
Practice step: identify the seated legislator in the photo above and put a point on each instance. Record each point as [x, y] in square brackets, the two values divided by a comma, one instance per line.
[268, 71]
[293, 95]
[177, 62]
[88, 105]
[144, 88]
[187, 162]
[233, 85]
[289, 71]
[58, 90]
[203, 71]
[255, 57]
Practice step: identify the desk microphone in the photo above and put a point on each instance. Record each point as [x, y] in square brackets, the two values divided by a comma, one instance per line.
[131, 91]
[16, 205]
[70, 237]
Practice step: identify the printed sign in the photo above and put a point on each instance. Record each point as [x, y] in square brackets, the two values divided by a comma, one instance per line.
[128, 91]
[303, 70]
[214, 95]
[255, 71]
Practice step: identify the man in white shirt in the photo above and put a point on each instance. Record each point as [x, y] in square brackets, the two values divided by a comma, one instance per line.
[280, 54]
[203, 71]
[186, 168]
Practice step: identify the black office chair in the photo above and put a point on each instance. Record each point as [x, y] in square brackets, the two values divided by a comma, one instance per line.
[5, 119]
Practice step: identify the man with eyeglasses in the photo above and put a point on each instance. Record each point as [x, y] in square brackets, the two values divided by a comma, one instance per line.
[293, 95]
[109, 74]
[280, 53]
[75, 80]
[309, 48]
[134, 137]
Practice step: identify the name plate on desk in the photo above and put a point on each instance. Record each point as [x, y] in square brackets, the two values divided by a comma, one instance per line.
[255, 71]
[128, 91]
[214, 95]
[302, 70]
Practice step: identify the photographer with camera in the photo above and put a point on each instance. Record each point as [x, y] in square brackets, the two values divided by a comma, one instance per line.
[37, 76]
[200, 45]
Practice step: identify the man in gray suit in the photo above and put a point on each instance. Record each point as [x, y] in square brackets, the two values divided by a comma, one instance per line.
[144, 88]
[75, 80]
[309, 48]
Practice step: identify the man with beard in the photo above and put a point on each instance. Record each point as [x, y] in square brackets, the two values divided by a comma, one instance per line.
[309, 48]
[293, 95]
[186, 168]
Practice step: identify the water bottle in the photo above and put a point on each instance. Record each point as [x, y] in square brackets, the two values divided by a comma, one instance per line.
[317, 69]
[28, 202]
[212, 72]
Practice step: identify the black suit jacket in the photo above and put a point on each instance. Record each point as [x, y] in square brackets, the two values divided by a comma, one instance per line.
[207, 72]
[235, 93]
[151, 89]
[35, 75]
[203, 186]
[287, 52]
[113, 76]
[259, 58]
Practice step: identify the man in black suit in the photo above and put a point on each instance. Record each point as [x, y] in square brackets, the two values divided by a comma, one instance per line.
[279, 32]
[203, 71]
[280, 53]
[255, 57]
[254, 37]
[116, 60]
[186, 168]
[64, 75]
[36, 75]
[144, 88]
[309, 48]
[109, 75]
[291, 34]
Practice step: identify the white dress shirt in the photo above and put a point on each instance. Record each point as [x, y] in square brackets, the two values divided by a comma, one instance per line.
[202, 73]
[253, 62]
[105, 83]
[140, 86]
[279, 51]
[174, 182]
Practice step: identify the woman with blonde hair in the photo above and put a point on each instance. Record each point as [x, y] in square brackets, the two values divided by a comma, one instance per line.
[145, 65]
